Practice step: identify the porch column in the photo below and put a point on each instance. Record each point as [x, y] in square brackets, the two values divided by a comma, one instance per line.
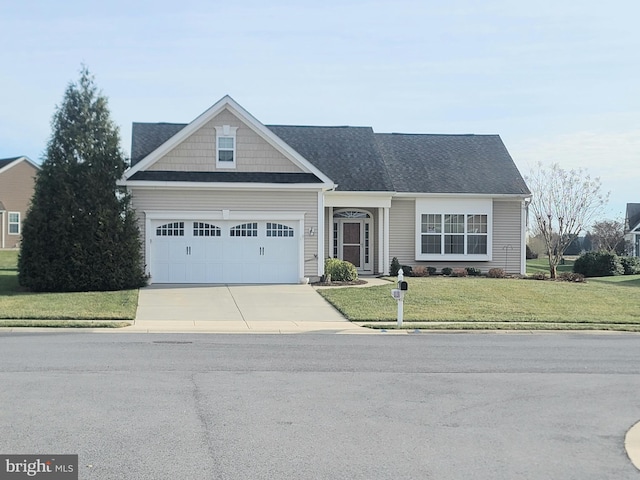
[386, 241]
[330, 252]
[380, 241]
[320, 234]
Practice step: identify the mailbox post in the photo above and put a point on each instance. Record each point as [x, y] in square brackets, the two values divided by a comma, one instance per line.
[398, 294]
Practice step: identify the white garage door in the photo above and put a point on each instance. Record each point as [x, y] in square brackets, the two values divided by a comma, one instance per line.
[223, 251]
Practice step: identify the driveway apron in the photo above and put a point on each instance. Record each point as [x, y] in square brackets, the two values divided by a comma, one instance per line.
[236, 308]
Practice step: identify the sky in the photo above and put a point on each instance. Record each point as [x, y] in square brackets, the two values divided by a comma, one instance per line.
[556, 79]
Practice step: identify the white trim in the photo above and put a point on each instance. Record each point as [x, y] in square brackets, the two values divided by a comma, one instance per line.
[523, 238]
[320, 234]
[497, 196]
[226, 131]
[142, 184]
[386, 242]
[380, 241]
[331, 233]
[358, 199]
[9, 223]
[446, 206]
[2, 215]
[365, 267]
[228, 103]
[17, 161]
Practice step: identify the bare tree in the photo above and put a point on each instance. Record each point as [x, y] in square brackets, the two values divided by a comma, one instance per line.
[608, 235]
[563, 204]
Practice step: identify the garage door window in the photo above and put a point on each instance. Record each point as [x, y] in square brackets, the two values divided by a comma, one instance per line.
[201, 229]
[279, 230]
[244, 230]
[175, 229]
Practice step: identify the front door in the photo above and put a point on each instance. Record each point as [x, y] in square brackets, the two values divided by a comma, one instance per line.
[352, 242]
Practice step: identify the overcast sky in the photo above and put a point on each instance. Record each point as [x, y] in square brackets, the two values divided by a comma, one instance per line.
[557, 79]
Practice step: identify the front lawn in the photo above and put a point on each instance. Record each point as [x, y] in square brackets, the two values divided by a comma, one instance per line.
[541, 265]
[512, 301]
[15, 303]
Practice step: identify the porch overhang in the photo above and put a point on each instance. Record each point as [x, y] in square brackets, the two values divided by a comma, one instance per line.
[358, 199]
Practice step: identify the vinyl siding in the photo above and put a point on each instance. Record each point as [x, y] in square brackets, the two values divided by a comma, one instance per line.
[202, 200]
[198, 152]
[16, 190]
[506, 248]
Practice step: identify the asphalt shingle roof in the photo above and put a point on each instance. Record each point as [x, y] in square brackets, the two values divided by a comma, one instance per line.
[357, 159]
[633, 215]
[250, 177]
[6, 161]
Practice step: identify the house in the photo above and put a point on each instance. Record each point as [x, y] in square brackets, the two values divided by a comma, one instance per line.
[226, 199]
[632, 228]
[17, 179]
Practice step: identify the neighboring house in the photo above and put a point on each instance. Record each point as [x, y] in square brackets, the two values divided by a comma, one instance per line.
[632, 229]
[226, 199]
[17, 178]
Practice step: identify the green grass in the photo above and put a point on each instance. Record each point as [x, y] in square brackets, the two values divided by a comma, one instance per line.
[541, 264]
[486, 301]
[18, 304]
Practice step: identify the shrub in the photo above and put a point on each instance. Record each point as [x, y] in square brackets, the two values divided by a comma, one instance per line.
[395, 266]
[447, 271]
[570, 277]
[407, 270]
[496, 273]
[474, 272]
[339, 270]
[432, 270]
[531, 254]
[420, 271]
[459, 272]
[598, 264]
[631, 265]
[539, 276]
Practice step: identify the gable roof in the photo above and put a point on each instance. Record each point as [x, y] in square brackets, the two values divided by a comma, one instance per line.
[472, 164]
[358, 159]
[633, 215]
[225, 103]
[7, 163]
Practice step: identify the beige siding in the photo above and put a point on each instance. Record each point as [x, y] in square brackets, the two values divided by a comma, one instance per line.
[16, 190]
[198, 152]
[506, 251]
[402, 231]
[507, 245]
[267, 201]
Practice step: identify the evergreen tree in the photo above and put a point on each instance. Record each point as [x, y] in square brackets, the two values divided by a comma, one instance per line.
[80, 233]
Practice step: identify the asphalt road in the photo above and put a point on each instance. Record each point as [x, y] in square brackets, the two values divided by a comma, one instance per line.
[421, 406]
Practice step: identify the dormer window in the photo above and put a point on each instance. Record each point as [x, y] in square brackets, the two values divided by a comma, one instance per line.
[226, 146]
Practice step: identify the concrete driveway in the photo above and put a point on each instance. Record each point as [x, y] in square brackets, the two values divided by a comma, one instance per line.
[237, 308]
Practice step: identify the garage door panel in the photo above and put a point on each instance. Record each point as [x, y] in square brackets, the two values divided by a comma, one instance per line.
[224, 252]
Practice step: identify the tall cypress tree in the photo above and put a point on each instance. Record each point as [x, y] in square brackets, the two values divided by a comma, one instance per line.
[80, 233]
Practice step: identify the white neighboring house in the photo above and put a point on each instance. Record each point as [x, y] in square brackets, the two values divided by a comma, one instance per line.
[227, 199]
[632, 229]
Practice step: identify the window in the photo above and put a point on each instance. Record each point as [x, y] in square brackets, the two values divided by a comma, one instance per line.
[14, 223]
[201, 229]
[226, 146]
[279, 230]
[454, 234]
[244, 230]
[175, 229]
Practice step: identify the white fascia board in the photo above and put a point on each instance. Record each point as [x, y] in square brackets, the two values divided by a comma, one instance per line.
[17, 161]
[142, 184]
[499, 196]
[247, 118]
[358, 199]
